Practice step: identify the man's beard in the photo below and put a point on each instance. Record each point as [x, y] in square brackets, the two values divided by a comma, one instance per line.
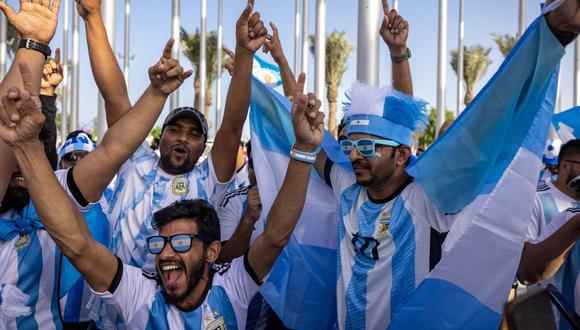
[185, 166]
[195, 274]
[16, 198]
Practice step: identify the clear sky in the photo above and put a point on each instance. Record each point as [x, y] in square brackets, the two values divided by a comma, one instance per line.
[150, 28]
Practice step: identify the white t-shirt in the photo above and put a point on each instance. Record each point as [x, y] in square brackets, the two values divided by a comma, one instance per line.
[384, 249]
[140, 301]
[549, 202]
[142, 189]
[232, 210]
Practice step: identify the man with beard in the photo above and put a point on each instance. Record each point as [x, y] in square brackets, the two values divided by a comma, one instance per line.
[189, 293]
[553, 197]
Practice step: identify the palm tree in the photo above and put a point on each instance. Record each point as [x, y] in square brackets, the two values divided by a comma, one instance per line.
[12, 37]
[504, 42]
[475, 63]
[191, 45]
[428, 136]
[337, 52]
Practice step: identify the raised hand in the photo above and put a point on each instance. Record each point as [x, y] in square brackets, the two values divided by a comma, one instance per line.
[250, 31]
[167, 75]
[88, 8]
[394, 30]
[307, 120]
[566, 17]
[51, 75]
[274, 46]
[254, 204]
[36, 20]
[21, 118]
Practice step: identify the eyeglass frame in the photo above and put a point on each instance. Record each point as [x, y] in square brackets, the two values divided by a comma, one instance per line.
[355, 144]
[77, 155]
[199, 237]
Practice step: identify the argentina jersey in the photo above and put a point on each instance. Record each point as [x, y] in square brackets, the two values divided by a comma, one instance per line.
[549, 202]
[384, 249]
[139, 300]
[141, 189]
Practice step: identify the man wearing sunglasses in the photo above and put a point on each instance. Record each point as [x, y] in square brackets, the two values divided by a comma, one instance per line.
[188, 293]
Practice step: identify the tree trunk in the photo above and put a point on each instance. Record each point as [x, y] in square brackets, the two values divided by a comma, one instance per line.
[208, 102]
[468, 95]
[331, 95]
[196, 86]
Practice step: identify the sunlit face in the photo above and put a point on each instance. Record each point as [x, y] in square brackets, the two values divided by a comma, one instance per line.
[378, 169]
[181, 145]
[180, 272]
[16, 196]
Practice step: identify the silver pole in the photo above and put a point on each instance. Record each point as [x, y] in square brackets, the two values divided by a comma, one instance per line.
[558, 107]
[320, 49]
[460, 61]
[74, 120]
[127, 51]
[218, 87]
[522, 18]
[396, 5]
[577, 72]
[202, 60]
[297, 38]
[65, 81]
[3, 44]
[305, 47]
[108, 13]
[175, 17]
[441, 64]
[367, 58]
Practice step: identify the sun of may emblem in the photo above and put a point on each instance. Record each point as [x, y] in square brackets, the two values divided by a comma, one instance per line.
[384, 222]
[179, 185]
[23, 241]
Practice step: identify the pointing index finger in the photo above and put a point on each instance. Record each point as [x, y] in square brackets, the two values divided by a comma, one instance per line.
[27, 79]
[57, 56]
[168, 48]
[300, 84]
[386, 8]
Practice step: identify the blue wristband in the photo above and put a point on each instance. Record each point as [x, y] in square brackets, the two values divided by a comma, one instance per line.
[306, 157]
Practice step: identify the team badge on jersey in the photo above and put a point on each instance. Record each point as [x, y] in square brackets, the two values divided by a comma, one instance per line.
[179, 186]
[218, 322]
[384, 222]
[23, 241]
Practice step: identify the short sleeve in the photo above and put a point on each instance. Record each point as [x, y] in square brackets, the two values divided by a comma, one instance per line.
[555, 224]
[134, 293]
[230, 213]
[143, 153]
[239, 280]
[536, 220]
[214, 186]
[417, 202]
[71, 189]
[339, 178]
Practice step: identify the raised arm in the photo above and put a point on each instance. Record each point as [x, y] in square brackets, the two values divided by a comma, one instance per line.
[93, 173]
[541, 261]
[36, 20]
[104, 65]
[308, 125]
[274, 46]
[60, 217]
[250, 36]
[394, 31]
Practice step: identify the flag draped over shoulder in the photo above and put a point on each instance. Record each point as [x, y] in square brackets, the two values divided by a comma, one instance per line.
[567, 124]
[302, 285]
[490, 158]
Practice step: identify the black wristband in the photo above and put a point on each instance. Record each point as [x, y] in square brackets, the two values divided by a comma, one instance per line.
[35, 45]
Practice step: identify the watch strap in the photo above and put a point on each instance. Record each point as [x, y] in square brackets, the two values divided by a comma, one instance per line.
[402, 57]
[35, 45]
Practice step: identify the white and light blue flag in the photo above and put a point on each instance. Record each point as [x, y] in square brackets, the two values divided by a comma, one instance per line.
[504, 130]
[567, 124]
[266, 72]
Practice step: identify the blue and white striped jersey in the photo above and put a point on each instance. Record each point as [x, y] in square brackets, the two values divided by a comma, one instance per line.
[141, 189]
[567, 279]
[140, 301]
[549, 202]
[384, 249]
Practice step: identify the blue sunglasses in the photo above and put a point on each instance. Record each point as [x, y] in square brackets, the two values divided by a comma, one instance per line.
[365, 147]
[179, 243]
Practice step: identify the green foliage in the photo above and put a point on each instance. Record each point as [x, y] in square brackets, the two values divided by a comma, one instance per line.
[505, 42]
[191, 49]
[156, 132]
[429, 135]
[475, 63]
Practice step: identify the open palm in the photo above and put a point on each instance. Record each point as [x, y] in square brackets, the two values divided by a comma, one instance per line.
[35, 20]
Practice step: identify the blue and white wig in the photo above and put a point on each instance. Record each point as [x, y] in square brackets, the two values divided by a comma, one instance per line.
[552, 151]
[81, 142]
[384, 112]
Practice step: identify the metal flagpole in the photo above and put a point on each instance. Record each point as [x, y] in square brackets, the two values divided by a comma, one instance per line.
[367, 58]
[577, 72]
[218, 87]
[3, 44]
[396, 5]
[522, 18]
[441, 64]
[202, 57]
[65, 81]
[74, 116]
[175, 17]
[320, 49]
[127, 55]
[305, 48]
[297, 38]
[108, 13]
[460, 61]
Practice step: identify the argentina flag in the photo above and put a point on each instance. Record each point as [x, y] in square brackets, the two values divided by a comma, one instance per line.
[302, 285]
[567, 124]
[266, 72]
[504, 130]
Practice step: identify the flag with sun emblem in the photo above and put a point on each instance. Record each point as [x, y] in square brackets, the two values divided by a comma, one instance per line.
[266, 72]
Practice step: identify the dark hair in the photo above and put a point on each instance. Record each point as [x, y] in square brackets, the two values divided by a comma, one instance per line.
[571, 147]
[198, 210]
[76, 133]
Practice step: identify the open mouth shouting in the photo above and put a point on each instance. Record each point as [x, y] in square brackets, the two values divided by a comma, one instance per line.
[171, 273]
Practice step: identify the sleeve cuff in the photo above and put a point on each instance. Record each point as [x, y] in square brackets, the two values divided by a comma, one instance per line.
[250, 270]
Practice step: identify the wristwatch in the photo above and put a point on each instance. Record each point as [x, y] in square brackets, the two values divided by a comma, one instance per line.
[401, 58]
[35, 45]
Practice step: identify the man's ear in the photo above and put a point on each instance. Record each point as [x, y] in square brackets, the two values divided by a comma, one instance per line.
[403, 154]
[213, 251]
